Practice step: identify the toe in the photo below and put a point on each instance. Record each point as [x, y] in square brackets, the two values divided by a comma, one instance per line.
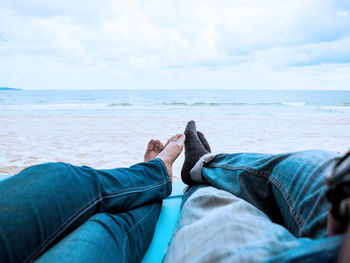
[158, 148]
[150, 145]
[172, 139]
[167, 142]
[191, 125]
[181, 138]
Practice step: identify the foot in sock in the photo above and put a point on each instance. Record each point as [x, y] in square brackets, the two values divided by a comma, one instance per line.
[204, 141]
[195, 147]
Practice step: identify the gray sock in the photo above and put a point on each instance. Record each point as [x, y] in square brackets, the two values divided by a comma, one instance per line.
[194, 150]
[204, 141]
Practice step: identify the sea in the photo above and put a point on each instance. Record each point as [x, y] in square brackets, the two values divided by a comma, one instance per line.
[239, 102]
[110, 128]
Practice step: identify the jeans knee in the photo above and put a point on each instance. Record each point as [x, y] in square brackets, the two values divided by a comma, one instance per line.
[317, 154]
[47, 169]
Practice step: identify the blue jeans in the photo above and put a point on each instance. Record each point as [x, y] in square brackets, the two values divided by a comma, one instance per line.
[252, 207]
[65, 210]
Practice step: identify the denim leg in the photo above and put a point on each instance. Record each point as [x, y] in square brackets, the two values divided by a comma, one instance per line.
[289, 188]
[44, 203]
[108, 237]
[216, 226]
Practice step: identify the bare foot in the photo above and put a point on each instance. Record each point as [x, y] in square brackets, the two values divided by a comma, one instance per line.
[172, 150]
[154, 147]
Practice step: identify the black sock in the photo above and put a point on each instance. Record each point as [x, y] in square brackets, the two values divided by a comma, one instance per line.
[194, 150]
[204, 141]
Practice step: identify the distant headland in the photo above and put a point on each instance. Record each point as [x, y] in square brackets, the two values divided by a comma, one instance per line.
[6, 88]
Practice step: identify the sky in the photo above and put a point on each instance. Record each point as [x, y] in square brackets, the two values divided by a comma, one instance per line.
[175, 44]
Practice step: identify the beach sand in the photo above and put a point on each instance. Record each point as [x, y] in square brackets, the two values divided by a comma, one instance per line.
[110, 140]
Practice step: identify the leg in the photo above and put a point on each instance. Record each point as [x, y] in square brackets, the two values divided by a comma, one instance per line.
[42, 204]
[289, 188]
[216, 226]
[108, 237]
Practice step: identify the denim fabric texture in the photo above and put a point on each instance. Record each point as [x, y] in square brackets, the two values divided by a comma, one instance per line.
[107, 237]
[44, 203]
[258, 207]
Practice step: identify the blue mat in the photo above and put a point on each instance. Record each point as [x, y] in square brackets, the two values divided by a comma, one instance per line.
[166, 224]
[4, 176]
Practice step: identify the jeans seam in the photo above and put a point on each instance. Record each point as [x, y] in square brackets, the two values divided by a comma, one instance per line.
[136, 224]
[71, 219]
[275, 182]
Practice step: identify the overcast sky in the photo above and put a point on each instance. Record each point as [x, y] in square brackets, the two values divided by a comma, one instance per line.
[234, 44]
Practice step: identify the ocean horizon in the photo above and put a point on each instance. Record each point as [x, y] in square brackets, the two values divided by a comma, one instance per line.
[237, 101]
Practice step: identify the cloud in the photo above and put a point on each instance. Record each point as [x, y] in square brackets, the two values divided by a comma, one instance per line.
[318, 53]
[3, 39]
[343, 13]
[119, 40]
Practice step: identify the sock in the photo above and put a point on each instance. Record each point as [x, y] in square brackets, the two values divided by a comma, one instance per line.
[194, 150]
[204, 141]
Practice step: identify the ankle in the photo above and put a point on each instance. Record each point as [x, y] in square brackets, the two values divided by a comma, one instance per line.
[169, 167]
